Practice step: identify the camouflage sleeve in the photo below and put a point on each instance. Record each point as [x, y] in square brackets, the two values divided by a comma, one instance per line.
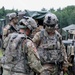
[63, 49]
[5, 31]
[5, 41]
[33, 58]
[36, 38]
[64, 53]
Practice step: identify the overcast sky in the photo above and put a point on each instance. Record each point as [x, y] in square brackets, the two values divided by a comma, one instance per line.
[35, 4]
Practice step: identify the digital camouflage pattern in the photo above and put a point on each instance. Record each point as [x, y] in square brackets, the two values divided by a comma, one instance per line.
[8, 29]
[49, 45]
[36, 30]
[13, 61]
[49, 49]
[12, 15]
[11, 26]
[13, 58]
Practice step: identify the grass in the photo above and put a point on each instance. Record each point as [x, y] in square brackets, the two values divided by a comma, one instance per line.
[1, 53]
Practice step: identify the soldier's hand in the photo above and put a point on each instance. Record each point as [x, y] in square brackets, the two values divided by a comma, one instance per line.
[65, 69]
[44, 68]
[45, 72]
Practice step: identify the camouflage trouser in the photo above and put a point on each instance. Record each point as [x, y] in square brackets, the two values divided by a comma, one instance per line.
[53, 70]
[5, 72]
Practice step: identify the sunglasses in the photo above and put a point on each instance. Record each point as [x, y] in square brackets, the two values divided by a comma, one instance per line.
[51, 25]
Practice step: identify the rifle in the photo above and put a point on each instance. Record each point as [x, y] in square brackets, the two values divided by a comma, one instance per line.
[13, 28]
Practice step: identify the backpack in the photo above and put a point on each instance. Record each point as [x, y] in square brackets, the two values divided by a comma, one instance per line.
[14, 52]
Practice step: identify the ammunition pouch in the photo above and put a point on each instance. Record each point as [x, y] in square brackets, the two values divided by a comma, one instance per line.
[50, 56]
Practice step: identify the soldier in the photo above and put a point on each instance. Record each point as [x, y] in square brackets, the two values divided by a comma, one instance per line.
[57, 28]
[50, 47]
[11, 27]
[21, 56]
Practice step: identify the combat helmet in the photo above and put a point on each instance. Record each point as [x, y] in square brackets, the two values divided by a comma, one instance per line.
[12, 15]
[31, 23]
[23, 22]
[50, 20]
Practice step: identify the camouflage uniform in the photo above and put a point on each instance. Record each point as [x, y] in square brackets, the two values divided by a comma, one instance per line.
[50, 48]
[36, 30]
[13, 61]
[37, 39]
[21, 56]
[10, 28]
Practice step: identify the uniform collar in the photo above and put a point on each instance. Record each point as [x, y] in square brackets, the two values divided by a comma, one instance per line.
[46, 34]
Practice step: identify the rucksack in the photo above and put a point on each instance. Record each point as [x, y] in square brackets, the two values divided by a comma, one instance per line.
[14, 52]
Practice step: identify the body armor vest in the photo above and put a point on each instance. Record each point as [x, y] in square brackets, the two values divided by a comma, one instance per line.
[49, 49]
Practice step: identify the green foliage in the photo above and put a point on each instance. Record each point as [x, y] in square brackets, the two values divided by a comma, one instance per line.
[43, 9]
[66, 16]
[52, 10]
[4, 11]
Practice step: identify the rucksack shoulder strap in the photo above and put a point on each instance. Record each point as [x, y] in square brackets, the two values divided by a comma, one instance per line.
[42, 33]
